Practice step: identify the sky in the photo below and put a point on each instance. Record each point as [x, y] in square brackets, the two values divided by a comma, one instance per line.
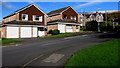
[10, 7]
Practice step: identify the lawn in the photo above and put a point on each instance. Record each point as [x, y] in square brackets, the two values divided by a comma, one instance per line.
[105, 54]
[6, 41]
[61, 35]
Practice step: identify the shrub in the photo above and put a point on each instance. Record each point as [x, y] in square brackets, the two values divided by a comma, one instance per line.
[83, 29]
[54, 32]
[92, 26]
[50, 31]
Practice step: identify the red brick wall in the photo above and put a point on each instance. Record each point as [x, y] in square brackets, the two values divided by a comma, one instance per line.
[70, 12]
[32, 11]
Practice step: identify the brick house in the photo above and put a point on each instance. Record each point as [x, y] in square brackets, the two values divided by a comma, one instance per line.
[27, 22]
[65, 19]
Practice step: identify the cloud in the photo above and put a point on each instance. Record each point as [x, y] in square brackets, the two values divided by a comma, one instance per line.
[30, 2]
[87, 4]
[7, 6]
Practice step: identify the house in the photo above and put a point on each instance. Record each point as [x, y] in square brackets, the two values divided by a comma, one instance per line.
[65, 19]
[99, 17]
[27, 22]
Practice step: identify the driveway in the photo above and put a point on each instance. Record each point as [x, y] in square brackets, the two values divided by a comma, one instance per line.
[48, 52]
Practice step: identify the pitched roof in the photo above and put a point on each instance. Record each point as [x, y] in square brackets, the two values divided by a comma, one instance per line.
[23, 9]
[58, 11]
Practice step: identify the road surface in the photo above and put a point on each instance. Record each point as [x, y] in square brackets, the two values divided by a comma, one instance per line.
[48, 52]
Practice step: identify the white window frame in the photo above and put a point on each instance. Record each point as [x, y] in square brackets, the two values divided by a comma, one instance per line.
[40, 20]
[75, 18]
[26, 19]
[71, 18]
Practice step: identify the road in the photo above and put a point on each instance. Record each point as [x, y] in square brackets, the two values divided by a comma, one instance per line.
[48, 52]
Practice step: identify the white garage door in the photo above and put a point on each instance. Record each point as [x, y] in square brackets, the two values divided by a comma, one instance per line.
[26, 32]
[61, 27]
[34, 31]
[69, 28]
[12, 32]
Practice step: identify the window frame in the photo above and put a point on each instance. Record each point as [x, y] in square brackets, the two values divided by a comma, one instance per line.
[26, 19]
[71, 17]
[75, 18]
[65, 17]
[40, 20]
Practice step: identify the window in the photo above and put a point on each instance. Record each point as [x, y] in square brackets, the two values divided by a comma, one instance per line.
[81, 19]
[69, 26]
[71, 17]
[37, 18]
[9, 19]
[77, 27]
[24, 17]
[74, 17]
[41, 29]
[65, 16]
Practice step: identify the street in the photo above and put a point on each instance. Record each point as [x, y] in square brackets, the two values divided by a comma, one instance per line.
[48, 52]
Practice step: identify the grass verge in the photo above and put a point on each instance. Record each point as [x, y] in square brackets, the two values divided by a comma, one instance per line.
[6, 41]
[61, 35]
[105, 54]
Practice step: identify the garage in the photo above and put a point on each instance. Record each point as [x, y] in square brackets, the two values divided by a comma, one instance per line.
[12, 32]
[61, 27]
[26, 32]
[22, 31]
[69, 28]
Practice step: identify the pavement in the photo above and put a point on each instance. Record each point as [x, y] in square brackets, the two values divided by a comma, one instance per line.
[48, 52]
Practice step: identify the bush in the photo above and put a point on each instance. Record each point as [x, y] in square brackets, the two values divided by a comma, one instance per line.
[50, 31]
[82, 29]
[54, 32]
[92, 26]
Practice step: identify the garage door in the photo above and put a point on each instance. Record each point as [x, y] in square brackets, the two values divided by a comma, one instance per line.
[34, 31]
[12, 32]
[69, 28]
[61, 28]
[26, 32]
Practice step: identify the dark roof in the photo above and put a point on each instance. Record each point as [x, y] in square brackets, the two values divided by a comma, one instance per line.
[57, 11]
[63, 20]
[23, 23]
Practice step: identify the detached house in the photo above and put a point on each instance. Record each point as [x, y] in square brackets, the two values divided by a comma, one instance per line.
[27, 22]
[99, 17]
[64, 19]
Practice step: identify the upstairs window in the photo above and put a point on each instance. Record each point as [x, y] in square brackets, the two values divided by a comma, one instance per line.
[65, 16]
[74, 17]
[71, 18]
[37, 18]
[24, 16]
[9, 19]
